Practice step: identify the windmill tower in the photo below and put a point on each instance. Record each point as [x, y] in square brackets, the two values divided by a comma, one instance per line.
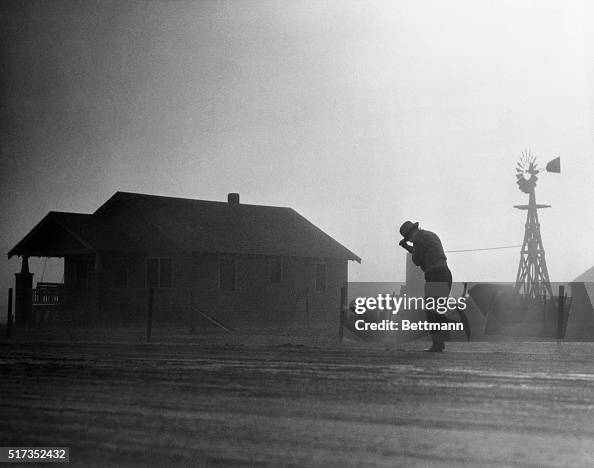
[532, 280]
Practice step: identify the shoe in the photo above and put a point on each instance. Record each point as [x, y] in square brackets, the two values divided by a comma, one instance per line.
[436, 348]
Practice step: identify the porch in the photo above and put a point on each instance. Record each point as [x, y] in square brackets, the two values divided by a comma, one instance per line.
[54, 301]
[83, 242]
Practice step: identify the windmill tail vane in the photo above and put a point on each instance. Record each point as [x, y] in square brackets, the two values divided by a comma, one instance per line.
[554, 165]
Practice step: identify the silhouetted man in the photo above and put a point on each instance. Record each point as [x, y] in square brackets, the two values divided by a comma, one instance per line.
[427, 253]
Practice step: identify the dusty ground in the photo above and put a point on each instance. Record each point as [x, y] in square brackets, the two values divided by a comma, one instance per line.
[238, 404]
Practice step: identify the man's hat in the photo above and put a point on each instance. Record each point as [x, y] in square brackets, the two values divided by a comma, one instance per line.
[408, 227]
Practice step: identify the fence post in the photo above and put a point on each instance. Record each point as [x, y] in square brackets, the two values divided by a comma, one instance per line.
[544, 314]
[343, 298]
[560, 312]
[9, 314]
[149, 318]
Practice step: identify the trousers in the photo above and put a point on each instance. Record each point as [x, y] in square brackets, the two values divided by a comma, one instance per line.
[438, 283]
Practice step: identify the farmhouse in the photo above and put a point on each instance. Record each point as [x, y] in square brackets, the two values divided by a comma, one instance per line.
[238, 263]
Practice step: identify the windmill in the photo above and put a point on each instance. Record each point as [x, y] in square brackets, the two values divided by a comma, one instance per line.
[532, 280]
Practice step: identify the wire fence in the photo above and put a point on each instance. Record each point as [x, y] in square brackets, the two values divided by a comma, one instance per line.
[484, 248]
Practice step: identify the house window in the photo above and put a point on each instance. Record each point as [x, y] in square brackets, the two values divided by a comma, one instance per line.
[275, 271]
[120, 274]
[320, 277]
[227, 275]
[158, 272]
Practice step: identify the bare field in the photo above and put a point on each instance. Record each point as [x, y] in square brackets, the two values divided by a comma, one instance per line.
[212, 403]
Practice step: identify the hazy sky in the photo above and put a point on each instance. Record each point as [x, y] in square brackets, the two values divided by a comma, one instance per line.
[359, 115]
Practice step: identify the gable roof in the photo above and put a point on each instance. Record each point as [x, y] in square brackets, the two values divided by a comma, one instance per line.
[194, 226]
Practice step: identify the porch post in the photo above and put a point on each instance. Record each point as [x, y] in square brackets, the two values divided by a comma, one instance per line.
[96, 290]
[23, 291]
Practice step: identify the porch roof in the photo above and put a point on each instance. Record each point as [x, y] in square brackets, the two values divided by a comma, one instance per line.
[59, 234]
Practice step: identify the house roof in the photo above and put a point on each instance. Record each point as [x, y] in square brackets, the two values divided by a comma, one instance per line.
[203, 226]
[210, 226]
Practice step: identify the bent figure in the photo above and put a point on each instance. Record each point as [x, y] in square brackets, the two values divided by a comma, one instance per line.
[427, 253]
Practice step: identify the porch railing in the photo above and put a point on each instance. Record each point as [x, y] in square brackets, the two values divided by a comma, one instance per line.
[49, 294]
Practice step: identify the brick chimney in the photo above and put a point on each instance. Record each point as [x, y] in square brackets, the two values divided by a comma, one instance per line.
[233, 198]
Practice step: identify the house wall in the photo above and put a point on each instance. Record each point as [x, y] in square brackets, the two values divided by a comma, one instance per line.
[254, 302]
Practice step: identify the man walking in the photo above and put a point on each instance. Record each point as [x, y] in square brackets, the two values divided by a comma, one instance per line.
[427, 253]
